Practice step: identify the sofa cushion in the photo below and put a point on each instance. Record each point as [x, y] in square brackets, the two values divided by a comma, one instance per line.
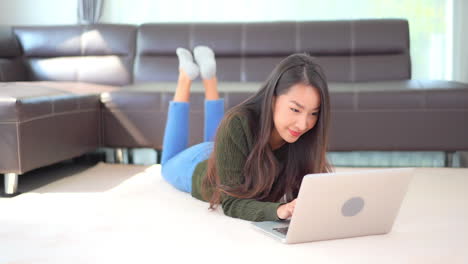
[23, 101]
[11, 66]
[9, 47]
[406, 115]
[399, 95]
[90, 53]
[269, 39]
[162, 39]
[135, 115]
[396, 115]
[349, 50]
[12, 69]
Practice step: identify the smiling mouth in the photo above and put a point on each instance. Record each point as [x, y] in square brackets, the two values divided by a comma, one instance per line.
[294, 133]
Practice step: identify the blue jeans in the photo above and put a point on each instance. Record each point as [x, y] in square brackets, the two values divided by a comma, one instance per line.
[178, 162]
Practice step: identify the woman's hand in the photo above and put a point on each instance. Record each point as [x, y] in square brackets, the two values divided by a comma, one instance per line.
[285, 211]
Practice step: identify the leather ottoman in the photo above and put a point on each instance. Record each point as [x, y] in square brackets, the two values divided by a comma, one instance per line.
[41, 125]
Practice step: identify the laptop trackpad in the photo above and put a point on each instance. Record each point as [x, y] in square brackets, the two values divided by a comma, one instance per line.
[282, 230]
[278, 228]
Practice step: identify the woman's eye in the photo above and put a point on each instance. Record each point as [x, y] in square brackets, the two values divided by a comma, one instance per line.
[294, 110]
[315, 114]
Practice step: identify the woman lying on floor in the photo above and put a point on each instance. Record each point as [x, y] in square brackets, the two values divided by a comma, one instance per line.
[254, 162]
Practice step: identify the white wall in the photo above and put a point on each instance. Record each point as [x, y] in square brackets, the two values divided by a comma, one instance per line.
[427, 19]
[460, 41]
[167, 11]
[427, 65]
[38, 12]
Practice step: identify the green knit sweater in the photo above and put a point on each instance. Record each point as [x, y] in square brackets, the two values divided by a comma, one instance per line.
[234, 143]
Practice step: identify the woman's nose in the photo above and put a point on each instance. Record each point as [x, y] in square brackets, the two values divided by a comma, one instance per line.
[301, 123]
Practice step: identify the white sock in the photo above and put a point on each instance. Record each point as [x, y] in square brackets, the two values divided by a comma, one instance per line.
[205, 58]
[186, 63]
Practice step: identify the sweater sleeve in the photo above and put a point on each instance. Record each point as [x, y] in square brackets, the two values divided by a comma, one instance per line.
[232, 151]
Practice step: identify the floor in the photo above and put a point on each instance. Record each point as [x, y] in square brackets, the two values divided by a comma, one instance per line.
[43, 176]
[80, 212]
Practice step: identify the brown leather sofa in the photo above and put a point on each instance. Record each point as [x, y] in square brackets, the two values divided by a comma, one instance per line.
[67, 90]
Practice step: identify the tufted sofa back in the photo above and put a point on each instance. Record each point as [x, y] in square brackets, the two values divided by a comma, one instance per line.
[348, 50]
[96, 53]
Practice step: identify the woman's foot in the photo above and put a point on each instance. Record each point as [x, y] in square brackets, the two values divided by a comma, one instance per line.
[188, 71]
[186, 63]
[205, 58]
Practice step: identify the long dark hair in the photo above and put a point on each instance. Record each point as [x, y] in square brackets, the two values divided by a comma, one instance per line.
[264, 178]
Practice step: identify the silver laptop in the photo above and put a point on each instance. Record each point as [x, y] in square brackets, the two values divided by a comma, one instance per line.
[342, 205]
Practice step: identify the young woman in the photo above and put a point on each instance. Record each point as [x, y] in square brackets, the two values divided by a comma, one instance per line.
[254, 162]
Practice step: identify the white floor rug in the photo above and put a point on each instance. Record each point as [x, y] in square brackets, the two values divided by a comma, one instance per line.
[129, 214]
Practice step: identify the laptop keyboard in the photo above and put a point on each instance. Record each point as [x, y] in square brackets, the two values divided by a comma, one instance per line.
[282, 230]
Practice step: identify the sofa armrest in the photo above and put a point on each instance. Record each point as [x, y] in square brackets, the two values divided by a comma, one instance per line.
[11, 65]
[12, 70]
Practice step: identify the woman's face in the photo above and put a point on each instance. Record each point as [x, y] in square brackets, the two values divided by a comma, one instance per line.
[294, 113]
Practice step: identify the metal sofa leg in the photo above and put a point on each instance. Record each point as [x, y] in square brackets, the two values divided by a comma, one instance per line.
[130, 156]
[11, 184]
[119, 155]
[449, 158]
[158, 156]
